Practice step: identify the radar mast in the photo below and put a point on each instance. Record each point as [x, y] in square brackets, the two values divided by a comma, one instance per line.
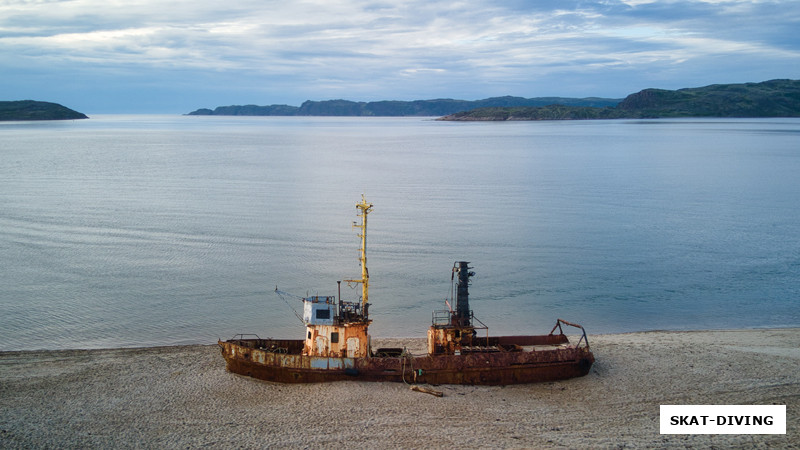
[364, 208]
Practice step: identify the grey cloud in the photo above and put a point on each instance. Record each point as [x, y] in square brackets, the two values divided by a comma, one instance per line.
[420, 48]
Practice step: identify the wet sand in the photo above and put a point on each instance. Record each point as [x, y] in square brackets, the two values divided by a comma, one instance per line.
[169, 397]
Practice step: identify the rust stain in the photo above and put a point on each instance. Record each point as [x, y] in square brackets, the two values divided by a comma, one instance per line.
[282, 361]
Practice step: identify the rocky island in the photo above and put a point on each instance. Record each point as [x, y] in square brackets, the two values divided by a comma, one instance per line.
[35, 110]
[774, 98]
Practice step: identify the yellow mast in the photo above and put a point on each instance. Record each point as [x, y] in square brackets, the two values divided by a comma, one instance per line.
[364, 208]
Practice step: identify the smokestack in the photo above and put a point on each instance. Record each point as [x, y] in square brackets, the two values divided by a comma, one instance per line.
[462, 293]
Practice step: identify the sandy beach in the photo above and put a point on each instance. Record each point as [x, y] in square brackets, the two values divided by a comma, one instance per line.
[170, 397]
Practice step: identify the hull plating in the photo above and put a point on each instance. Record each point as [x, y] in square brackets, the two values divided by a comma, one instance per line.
[267, 361]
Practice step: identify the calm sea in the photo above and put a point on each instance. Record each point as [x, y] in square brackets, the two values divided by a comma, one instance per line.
[124, 231]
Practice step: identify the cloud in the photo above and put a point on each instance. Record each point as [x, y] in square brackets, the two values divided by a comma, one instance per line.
[406, 49]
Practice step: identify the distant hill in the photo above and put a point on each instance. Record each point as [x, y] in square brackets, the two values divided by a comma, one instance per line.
[395, 108]
[33, 110]
[774, 98]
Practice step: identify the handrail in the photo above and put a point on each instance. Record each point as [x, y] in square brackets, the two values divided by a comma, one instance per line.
[441, 317]
[483, 326]
[561, 331]
[242, 335]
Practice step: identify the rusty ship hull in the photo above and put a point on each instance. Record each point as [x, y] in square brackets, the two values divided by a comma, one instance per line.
[511, 360]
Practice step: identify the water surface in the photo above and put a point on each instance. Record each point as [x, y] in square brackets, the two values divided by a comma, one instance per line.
[157, 230]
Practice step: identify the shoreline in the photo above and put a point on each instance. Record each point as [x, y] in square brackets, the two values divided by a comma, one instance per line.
[382, 341]
[182, 396]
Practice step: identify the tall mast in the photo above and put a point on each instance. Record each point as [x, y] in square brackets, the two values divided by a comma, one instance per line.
[364, 208]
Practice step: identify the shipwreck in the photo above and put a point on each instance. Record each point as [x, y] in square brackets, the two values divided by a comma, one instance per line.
[337, 344]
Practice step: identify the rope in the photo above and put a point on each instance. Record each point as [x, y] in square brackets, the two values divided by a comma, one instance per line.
[280, 294]
[415, 386]
[403, 356]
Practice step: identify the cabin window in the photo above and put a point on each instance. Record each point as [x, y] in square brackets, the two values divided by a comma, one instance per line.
[323, 314]
[309, 334]
[335, 337]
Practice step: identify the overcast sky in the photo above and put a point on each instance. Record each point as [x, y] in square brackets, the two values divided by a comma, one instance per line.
[154, 56]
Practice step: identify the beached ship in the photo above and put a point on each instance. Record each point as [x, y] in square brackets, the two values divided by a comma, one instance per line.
[459, 348]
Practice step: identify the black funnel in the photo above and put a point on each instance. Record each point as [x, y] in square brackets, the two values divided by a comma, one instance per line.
[463, 314]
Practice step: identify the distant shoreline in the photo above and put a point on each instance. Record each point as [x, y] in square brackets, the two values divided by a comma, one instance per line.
[773, 98]
[395, 108]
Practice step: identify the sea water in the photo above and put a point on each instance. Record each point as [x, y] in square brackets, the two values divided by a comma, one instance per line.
[124, 231]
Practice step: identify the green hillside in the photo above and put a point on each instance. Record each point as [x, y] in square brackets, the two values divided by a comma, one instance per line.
[775, 98]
